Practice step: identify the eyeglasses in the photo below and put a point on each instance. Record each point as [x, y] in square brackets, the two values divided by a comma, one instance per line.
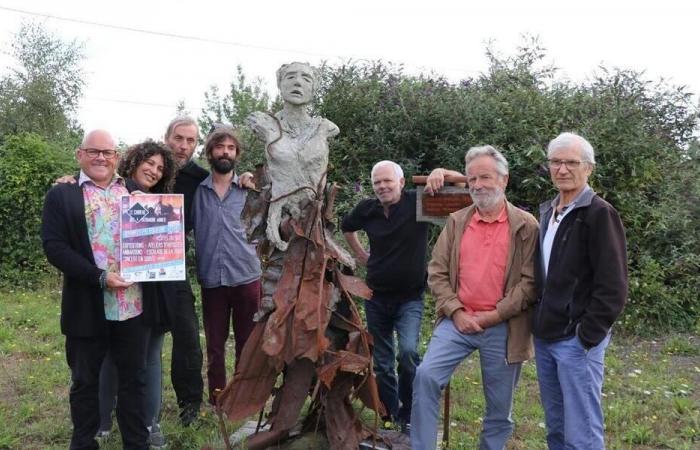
[94, 153]
[570, 164]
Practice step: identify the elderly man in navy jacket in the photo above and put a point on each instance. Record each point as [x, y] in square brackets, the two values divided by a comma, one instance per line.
[581, 276]
[100, 311]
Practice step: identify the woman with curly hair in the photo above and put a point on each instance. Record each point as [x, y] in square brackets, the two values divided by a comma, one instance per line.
[151, 165]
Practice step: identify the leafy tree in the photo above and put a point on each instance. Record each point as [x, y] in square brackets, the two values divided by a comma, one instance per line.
[647, 157]
[42, 94]
[243, 98]
[28, 167]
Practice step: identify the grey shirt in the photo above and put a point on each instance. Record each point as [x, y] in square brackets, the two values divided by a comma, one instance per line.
[224, 255]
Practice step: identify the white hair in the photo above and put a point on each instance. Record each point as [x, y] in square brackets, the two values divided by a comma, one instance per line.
[567, 140]
[397, 169]
[487, 150]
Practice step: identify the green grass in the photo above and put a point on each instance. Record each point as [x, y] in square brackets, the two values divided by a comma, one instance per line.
[651, 396]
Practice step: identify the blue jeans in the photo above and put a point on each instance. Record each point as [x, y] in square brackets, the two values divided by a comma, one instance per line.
[571, 382]
[154, 384]
[383, 318]
[448, 347]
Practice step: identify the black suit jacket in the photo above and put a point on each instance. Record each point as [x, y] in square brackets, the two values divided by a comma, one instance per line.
[67, 246]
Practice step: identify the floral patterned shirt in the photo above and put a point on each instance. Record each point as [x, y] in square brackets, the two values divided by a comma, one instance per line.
[102, 217]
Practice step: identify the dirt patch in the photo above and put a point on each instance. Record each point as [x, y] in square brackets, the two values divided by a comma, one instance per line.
[10, 370]
[686, 365]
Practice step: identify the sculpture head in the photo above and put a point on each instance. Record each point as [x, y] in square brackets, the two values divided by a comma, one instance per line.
[296, 82]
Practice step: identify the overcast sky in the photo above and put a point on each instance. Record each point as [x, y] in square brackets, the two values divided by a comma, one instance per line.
[135, 79]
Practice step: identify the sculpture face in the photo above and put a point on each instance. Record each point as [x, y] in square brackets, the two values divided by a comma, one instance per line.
[297, 83]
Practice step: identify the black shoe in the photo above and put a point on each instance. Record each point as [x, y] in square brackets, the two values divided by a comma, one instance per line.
[189, 413]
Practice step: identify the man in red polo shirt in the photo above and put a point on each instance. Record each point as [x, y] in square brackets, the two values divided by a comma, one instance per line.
[481, 276]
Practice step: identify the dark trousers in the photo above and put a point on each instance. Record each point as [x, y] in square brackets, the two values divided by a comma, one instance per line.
[126, 342]
[186, 367]
[220, 307]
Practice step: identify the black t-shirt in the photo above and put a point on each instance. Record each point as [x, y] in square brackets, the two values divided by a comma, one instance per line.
[398, 246]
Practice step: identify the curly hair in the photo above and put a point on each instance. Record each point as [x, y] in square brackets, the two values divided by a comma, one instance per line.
[138, 153]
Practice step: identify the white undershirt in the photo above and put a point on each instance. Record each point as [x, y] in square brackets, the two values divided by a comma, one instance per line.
[551, 232]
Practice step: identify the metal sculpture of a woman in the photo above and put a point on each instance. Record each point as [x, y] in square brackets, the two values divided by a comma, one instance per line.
[308, 325]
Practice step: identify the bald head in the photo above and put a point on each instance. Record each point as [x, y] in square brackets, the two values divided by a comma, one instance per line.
[101, 139]
[98, 157]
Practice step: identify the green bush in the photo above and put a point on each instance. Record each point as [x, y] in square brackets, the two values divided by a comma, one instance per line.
[648, 159]
[28, 167]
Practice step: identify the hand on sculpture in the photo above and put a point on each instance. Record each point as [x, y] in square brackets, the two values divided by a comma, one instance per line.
[246, 180]
[465, 323]
[66, 179]
[114, 281]
[435, 181]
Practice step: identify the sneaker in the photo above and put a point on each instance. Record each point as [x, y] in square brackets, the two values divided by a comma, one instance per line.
[103, 434]
[406, 428]
[189, 413]
[156, 439]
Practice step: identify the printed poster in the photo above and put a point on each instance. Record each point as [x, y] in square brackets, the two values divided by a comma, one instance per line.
[152, 237]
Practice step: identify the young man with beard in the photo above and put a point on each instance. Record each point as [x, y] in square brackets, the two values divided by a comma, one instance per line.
[482, 279]
[228, 268]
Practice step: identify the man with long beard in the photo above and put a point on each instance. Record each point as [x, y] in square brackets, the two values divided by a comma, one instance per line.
[482, 279]
[228, 268]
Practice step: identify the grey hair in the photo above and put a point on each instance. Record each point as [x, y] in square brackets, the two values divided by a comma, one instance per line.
[180, 120]
[567, 140]
[487, 150]
[398, 171]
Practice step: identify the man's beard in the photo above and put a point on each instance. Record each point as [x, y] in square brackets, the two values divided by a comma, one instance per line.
[487, 199]
[222, 165]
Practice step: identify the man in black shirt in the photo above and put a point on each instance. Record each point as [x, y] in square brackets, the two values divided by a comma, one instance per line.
[396, 274]
[186, 366]
[186, 370]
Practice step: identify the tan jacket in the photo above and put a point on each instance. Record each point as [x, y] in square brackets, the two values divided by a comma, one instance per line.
[515, 306]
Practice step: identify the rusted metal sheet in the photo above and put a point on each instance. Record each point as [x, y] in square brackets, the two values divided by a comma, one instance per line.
[254, 380]
[313, 332]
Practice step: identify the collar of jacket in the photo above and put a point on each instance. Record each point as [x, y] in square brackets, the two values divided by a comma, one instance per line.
[583, 200]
